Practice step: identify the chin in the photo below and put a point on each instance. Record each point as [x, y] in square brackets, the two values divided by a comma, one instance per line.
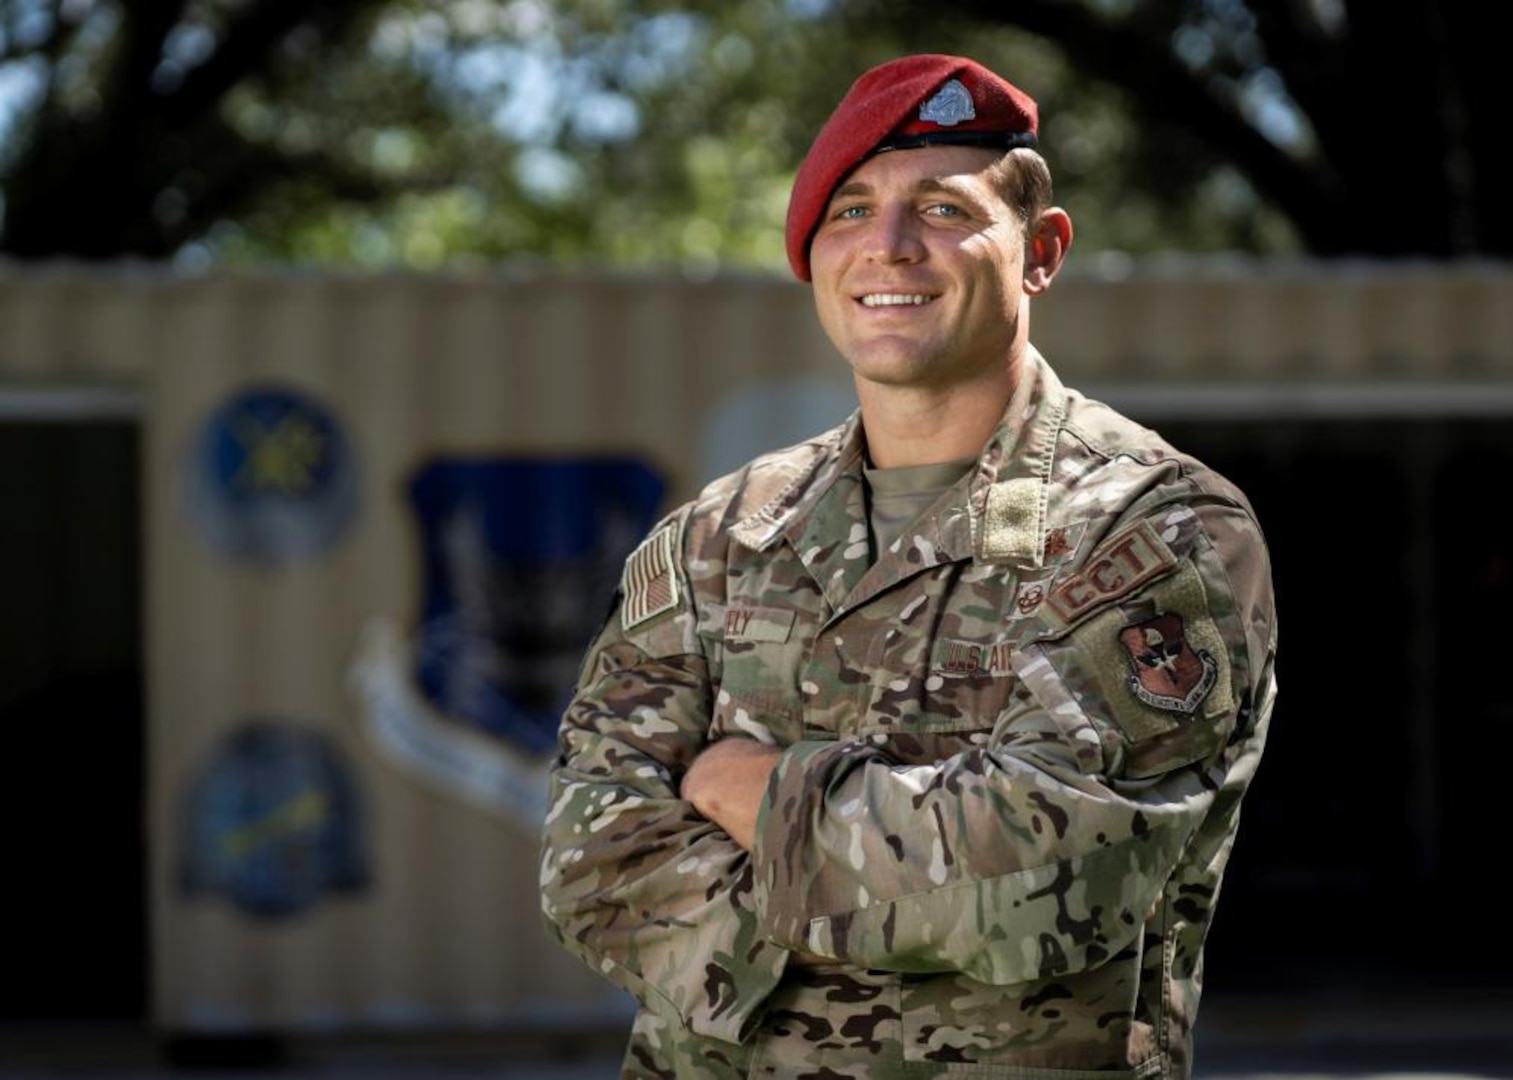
[893, 363]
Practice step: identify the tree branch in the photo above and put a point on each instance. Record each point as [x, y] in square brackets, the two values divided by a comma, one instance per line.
[1170, 96]
[247, 46]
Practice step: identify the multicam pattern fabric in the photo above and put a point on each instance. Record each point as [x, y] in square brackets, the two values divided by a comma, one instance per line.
[996, 827]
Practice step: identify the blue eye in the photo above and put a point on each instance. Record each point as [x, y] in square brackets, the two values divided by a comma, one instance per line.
[945, 210]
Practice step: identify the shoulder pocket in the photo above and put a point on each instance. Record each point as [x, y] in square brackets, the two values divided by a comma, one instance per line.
[1155, 669]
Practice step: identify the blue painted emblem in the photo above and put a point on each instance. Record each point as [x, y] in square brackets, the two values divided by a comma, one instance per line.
[274, 822]
[271, 477]
[521, 563]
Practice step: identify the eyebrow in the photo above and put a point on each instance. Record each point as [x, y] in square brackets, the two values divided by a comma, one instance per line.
[926, 185]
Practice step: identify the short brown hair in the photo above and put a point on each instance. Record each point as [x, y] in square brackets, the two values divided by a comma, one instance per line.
[1023, 178]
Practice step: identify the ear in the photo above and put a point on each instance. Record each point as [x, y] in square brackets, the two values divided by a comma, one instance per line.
[1046, 248]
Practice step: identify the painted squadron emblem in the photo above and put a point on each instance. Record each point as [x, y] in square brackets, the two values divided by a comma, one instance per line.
[1167, 673]
[272, 476]
[950, 105]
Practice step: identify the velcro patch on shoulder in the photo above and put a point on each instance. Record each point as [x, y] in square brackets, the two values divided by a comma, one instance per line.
[1118, 567]
[650, 580]
[1159, 668]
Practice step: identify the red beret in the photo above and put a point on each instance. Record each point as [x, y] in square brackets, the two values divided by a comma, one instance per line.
[925, 100]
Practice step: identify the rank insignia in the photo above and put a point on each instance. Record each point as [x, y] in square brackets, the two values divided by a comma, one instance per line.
[1166, 672]
[1061, 543]
[1116, 568]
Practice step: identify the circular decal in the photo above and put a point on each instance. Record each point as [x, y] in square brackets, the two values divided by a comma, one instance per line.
[271, 477]
[273, 822]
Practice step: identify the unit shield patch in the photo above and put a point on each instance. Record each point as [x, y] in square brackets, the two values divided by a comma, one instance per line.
[1166, 672]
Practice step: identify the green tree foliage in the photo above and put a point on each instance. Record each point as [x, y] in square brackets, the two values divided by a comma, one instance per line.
[647, 132]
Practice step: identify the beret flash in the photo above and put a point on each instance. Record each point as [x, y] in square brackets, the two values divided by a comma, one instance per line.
[930, 99]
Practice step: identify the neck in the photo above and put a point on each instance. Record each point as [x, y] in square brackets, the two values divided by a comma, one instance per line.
[908, 426]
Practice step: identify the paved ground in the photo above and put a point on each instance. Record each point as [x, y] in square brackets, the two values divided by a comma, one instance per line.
[1446, 1037]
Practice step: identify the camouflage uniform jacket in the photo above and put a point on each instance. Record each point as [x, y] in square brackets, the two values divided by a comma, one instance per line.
[1014, 750]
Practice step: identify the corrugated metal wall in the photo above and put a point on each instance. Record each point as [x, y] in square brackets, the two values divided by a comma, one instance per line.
[1209, 319]
[343, 780]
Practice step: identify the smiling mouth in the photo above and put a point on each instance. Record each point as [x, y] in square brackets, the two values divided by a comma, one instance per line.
[877, 300]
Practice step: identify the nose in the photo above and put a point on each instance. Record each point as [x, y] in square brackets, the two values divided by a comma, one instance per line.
[894, 237]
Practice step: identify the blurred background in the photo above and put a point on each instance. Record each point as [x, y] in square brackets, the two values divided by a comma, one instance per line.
[347, 347]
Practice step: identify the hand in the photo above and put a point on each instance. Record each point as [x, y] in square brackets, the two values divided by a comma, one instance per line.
[726, 783]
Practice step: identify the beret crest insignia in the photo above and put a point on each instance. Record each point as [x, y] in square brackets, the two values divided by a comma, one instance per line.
[949, 106]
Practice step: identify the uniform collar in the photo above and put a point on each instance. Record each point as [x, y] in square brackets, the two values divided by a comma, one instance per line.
[1007, 492]
[1012, 484]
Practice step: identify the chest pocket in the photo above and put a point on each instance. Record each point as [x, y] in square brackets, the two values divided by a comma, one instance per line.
[944, 699]
[758, 696]
[925, 669]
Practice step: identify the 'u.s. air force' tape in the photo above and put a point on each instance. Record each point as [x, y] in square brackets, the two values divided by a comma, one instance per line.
[650, 581]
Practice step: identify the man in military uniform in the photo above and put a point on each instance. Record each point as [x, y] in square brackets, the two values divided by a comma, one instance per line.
[917, 749]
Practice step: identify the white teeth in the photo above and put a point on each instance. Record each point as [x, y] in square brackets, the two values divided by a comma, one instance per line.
[893, 299]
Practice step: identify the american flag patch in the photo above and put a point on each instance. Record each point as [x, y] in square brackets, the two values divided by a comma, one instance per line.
[650, 584]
